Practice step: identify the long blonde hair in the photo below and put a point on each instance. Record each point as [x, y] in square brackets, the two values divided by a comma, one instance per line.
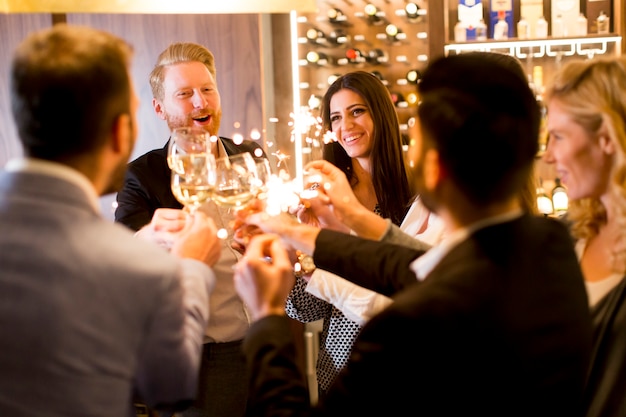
[594, 94]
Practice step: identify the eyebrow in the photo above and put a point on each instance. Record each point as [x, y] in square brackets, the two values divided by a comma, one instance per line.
[350, 107]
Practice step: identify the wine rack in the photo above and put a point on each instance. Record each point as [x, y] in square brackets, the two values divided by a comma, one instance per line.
[388, 38]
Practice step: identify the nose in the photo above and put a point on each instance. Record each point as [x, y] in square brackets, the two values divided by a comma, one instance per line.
[198, 100]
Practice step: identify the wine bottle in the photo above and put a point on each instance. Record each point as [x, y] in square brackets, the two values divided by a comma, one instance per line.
[373, 15]
[413, 76]
[394, 33]
[481, 30]
[377, 56]
[379, 75]
[318, 58]
[338, 37]
[354, 56]
[336, 16]
[541, 28]
[412, 11]
[315, 36]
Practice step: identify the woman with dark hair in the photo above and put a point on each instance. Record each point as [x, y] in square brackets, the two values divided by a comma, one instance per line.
[358, 110]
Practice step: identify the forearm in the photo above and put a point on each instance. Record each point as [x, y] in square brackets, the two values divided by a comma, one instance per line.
[363, 222]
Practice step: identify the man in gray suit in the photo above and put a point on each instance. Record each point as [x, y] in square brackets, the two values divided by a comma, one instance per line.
[89, 315]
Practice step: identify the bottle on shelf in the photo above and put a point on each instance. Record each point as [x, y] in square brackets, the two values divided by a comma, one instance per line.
[481, 30]
[413, 76]
[336, 16]
[602, 23]
[460, 32]
[501, 28]
[558, 27]
[544, 203]
[373, 15]
[560, 200]
[338, 37]
[315, 36]
[411, 10]
[394, 33]
[541, 28]
[318, 58]
[380, 76]
[581, 25]
[523, 29]
[377, 56]
[354, 56]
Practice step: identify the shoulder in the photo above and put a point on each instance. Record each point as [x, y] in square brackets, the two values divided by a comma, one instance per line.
[246, 146]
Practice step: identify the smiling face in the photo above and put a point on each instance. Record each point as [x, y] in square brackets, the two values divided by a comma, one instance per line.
[190, 98]
[583, 160]
[351, 122]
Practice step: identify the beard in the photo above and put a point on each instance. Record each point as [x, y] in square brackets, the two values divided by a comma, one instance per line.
[175, 121]
[427, 197]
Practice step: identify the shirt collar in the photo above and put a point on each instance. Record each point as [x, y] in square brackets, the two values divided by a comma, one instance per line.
[54, 169]
[424, 264]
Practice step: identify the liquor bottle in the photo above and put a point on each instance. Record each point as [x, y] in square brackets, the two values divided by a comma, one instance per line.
[399, 100]
[501, 29]
[558, 29]
[581, 25]
[560, 200]
[481, 30]
[541, 28]
[523, 29]
[460, 32]
[602, 23]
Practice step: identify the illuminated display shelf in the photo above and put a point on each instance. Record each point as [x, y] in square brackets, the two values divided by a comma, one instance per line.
[551, 47]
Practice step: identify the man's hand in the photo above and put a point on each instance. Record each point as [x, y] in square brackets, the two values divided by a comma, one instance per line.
[264, 276]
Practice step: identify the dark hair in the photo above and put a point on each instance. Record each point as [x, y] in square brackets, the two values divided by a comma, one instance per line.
[388, 171]
[479, 113]
[68, 86]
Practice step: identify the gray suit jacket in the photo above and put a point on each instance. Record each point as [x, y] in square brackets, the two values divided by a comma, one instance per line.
[90, 315]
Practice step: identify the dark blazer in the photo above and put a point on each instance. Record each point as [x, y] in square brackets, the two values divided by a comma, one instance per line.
[500, 327]
[147, 184]
[605, 395]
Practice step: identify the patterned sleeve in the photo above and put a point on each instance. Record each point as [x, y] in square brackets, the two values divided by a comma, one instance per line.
[305, 307]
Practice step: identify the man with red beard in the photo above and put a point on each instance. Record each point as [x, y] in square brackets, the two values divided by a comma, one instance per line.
[185, 93]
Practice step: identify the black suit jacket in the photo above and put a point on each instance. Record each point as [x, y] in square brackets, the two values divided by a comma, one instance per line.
[500, 327]
[147, 184]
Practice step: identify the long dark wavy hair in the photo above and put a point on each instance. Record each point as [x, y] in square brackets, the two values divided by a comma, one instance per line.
[388, 169]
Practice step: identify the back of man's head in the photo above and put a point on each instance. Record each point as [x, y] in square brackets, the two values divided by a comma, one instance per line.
[478, 111]
[69, 84]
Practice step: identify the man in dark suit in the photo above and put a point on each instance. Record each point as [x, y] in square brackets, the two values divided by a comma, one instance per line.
[496, 323]
[185, 93]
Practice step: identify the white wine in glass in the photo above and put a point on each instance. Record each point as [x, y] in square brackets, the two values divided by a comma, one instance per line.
[236, 181]
[192, 165]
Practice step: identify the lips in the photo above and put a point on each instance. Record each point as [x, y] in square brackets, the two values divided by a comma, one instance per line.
[350, 138]
[202, 120]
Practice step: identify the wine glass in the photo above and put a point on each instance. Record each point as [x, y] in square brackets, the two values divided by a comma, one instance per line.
[236, 180]
[192, 165]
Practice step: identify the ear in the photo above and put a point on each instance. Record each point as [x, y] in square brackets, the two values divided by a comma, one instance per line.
[433, 171]
[122, 135]
[158, 108]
